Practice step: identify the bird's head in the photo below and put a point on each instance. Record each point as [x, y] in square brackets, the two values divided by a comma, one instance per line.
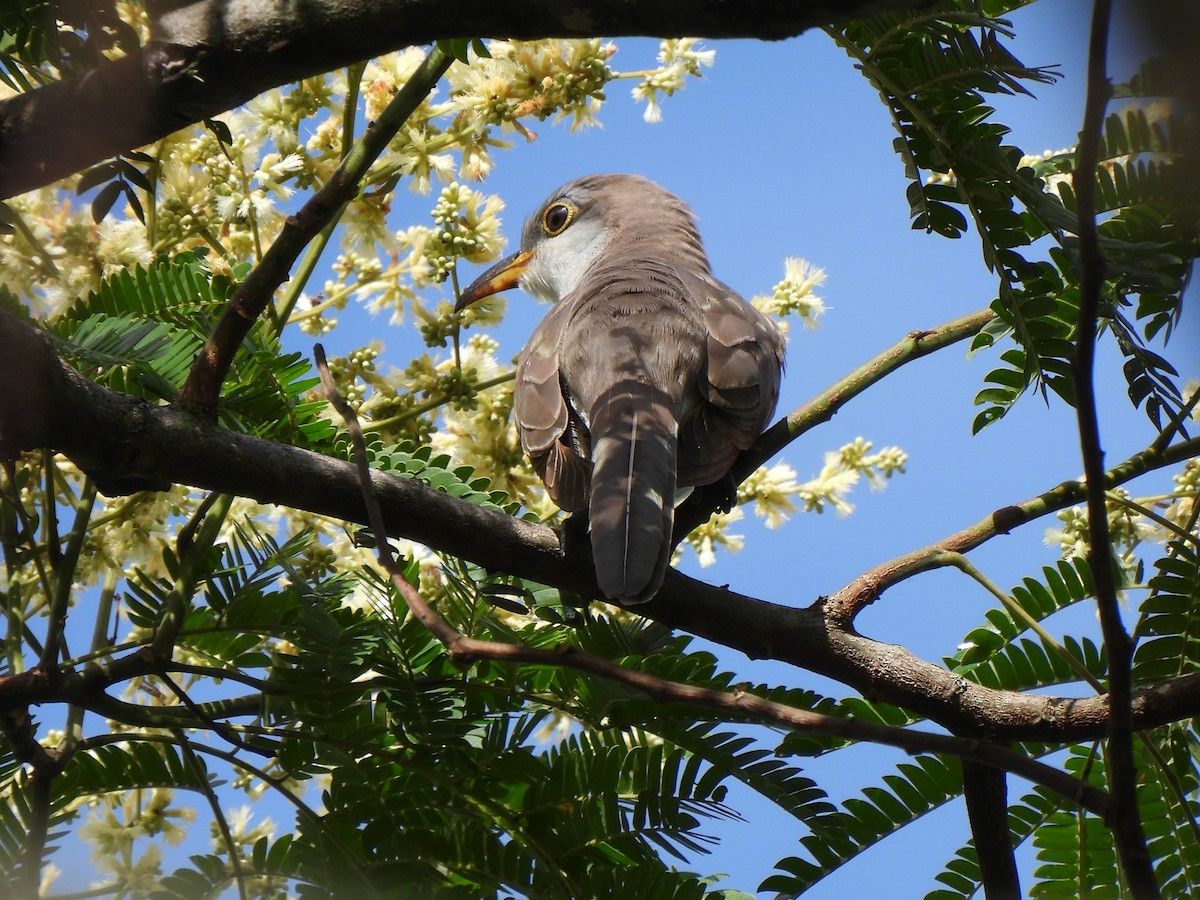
[581, 220]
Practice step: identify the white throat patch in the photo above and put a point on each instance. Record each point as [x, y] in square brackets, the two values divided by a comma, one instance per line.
[560, 262]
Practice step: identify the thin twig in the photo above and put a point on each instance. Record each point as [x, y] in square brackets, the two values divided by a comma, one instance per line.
[845, 604]
[193, 559]
[1178, 423]
[434, 403]
[64, 579]
[313, 254]
[821, 408]
[278, 783]
[465, 650]
[1018, 612]
[1124, 818]
[1178, 533]
[253, 295]
[214, 804]
[219, 727]
[438, 626]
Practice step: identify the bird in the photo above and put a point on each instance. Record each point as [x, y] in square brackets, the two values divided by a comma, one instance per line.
[646, 378]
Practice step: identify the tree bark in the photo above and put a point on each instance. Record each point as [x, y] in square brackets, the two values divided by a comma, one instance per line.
[985, 790]
[209, 56]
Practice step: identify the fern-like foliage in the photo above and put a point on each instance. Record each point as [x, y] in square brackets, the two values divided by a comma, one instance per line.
[141, 329]
[1168, 632]
[42, 40]
[436, 470]
[997, 655]
[1065, 584]
[295, 668]
[1075, 851]
[442, 786]
[962, 878]
[934, 68]
[912, 791]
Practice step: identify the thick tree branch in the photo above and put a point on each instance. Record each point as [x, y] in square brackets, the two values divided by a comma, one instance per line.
[209, 56]
[985, 790]
[105, 432]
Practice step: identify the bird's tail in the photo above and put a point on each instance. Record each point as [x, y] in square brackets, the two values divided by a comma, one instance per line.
[634, 431]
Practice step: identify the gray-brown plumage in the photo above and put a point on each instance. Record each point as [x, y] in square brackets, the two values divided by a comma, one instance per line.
[647, 375]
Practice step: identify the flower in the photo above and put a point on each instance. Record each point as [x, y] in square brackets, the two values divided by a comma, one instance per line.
[713, 533]
[679, 59]
[794, 294]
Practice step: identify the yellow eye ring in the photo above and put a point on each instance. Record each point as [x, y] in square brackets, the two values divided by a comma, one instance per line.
[556, 218]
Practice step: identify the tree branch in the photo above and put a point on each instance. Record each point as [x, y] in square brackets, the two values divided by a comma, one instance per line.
[823, 407]
[208, 56]
[464, 651]
[44, 766]
[1120, 766]
[985, 790]
[200, 392]
[845, 604]
[105, 432]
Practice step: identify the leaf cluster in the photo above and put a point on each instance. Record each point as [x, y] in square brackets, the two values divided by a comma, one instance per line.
[140, 331]
[43, 39]
[934, 70]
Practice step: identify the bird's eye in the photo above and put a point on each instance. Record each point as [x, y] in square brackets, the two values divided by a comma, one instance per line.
[556, 218]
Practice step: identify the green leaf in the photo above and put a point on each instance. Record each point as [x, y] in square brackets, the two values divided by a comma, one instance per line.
[911, 792]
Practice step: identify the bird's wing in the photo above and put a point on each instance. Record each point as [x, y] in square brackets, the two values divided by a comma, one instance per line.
[551, 432]
[738, 385]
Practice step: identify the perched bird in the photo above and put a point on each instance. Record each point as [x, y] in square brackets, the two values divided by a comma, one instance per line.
[647, 375]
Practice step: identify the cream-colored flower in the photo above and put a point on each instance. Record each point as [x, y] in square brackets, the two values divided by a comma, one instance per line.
[533, 79]
[121, 245]
[795, 293]
[50, 873]
[243, 835]
[714, 533]
[679, 59]
[771, 489]
[466, 226]
[842, 470]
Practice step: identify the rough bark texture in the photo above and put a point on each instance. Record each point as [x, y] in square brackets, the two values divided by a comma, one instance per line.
[985, 790]
[212, 55]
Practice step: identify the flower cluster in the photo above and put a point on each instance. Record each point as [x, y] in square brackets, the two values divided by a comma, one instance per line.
[542, 79]
[119, 832]
[774, 492]
[467, 227]
[679, 58]
[843, 469]
[1128, 524]
[795, 293]
[226, 188]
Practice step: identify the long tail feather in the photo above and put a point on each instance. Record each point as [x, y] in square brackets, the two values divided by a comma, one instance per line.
[634, 446]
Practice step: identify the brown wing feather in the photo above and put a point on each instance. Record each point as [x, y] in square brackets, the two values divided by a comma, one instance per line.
[738, 386]
[648, 376]
[544, 421]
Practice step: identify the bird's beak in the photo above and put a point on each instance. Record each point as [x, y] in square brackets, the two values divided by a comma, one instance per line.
[500, 277]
